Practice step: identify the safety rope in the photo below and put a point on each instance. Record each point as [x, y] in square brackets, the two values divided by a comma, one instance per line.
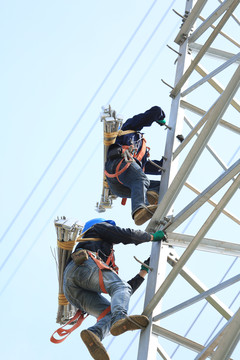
[62, 299]
[66, 245]
[109, 138]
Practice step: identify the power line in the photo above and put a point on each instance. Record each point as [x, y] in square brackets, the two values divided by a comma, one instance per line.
[50, 219]
[76, 123]
[142, 50]
[79, 147]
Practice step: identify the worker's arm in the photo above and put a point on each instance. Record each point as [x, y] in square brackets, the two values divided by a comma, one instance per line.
[139, 278]
[151, 169]
[137, 122]
[117, 235]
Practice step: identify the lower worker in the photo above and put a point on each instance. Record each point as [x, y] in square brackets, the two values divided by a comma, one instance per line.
[96, 273]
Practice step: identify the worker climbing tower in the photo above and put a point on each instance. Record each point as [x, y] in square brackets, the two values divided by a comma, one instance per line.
[202, 110]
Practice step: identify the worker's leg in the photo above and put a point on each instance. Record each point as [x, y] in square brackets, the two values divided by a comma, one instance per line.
[134, 184]
[82, 289]
[153, 192]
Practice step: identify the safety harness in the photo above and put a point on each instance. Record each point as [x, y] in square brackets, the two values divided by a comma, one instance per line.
[99, 262]
[131, 156]
[78, 318]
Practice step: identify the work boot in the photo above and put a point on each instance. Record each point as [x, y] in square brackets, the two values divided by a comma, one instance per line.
[132, 322]
[144, 214]
[152, 197]
[94, 345]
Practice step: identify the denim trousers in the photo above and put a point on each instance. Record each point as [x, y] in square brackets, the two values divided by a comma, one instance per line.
[135, 184]
[82, 289]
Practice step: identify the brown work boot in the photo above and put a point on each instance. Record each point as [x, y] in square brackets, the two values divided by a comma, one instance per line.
[132, 322]
[94, 345]
[144, 214]
[152, 197]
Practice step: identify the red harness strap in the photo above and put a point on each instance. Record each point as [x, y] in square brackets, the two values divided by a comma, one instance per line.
[78, 317]
[139, 157]
[64, 333]
[102, 266]
[104, 313]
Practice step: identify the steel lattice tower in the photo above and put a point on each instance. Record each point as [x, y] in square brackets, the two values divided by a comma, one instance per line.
[188, 96]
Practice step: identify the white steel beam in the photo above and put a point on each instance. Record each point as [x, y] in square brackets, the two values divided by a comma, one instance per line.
[209, 148]
[204, 196]
[217, 86]
[210, 20]
[216, 112]
[162, 353]
[178, 339]
[197, 298]
[213, 52]
[190, 20]
[229, 340]
[201, 53]
[186, 105]
[211, 74]
[226, 36]
[225, 212]
[233, 16]
[208, 245]
[148, 343]
[191, 248]
[200, 287]
[220, 337]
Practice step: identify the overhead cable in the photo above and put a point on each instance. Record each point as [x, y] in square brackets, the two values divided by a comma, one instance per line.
[76, 123]
[80, 145]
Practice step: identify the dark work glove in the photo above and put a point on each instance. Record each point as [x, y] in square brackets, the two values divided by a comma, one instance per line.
[147, 263]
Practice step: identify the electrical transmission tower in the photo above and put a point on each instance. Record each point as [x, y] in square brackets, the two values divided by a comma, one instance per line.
[195, 87]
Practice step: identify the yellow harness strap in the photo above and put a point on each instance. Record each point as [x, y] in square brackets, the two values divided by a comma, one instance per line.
[80, 239]
[109, 138]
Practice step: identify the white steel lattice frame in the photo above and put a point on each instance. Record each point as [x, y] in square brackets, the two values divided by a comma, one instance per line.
[174, 179]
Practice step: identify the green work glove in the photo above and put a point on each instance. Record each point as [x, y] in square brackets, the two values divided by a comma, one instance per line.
[158, 235]
[147, 263]
[161, 122]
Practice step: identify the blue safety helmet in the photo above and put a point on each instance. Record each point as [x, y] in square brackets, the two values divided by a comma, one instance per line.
[92, 222]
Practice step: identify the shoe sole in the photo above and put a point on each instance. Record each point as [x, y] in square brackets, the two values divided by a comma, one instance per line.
[152, 197]
[144, 215]
[123, 325]
[94, 345]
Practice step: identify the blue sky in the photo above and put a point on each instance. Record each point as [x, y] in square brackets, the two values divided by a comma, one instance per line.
[61, 62]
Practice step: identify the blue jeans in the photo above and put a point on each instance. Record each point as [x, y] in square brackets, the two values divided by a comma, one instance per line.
[81, 288]
[135, 184]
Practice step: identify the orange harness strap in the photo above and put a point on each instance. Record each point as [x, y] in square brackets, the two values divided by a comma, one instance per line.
[78, 317]
[104, 313]
[100, 264]
[139, 157]
[64, 333]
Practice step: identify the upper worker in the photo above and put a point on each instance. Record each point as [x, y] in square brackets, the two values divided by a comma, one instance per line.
[127, 163]
[93, 271]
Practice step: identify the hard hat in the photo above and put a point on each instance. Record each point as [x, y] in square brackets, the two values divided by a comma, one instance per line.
[92, 222]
